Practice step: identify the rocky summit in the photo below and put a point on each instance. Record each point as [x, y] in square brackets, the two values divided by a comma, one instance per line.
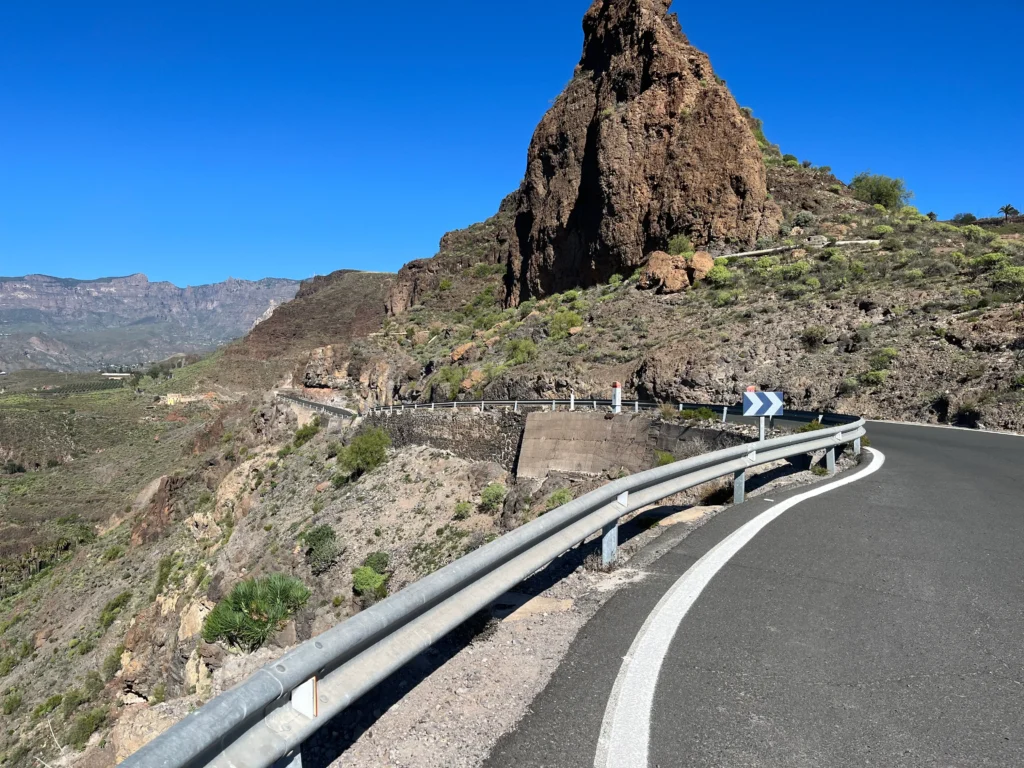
[644, 144]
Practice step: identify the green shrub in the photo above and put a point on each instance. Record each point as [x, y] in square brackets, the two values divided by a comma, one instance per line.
[679, 245]
[1010, 278]
[339, 480]
[445, 284]
[322, 548]
[93, 685]
[615, 280]
[848, 386]
[286, 451]
[562, 322]
[254, 610]
[111, 610]
[111, 663]
[163, 572]
[557, 499]
[112, 553]
[876, 189]
[884, 229]
[913, 274]
[803, 219]
[333, 449]
[813, 336]
[881, 359]
[159, 694]
[874, 378]
[365, 453]
[663, 458]
[796, 271]
[368, 584]
[811, 426]
[977, 235]
[12, 702]
[697, 414]
[85, 725]
[988, 261]
[492, 497]
[304, 434]
[520, 351]
[961, 219]
[719, 276]
[379, 561]
[463, 510]
[46, 707]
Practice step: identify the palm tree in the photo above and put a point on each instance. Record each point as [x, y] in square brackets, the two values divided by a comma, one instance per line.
[1008, 211]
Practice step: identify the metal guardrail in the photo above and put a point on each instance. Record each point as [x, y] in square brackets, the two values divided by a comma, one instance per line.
[254, 725]
[313, 405]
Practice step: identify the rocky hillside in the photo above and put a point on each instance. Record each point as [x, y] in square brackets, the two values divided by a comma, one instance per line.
[49, 322]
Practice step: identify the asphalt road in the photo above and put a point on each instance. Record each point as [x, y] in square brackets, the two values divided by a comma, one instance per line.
[878, 624]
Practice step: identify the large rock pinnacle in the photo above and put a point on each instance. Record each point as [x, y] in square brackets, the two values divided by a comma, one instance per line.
[645, 143]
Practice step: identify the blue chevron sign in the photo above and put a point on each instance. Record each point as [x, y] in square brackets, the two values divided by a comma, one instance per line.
[762, 404]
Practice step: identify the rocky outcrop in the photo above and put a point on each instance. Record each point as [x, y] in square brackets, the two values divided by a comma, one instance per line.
[483, 243]
[665, 273]
[324, 370]
[644, 144]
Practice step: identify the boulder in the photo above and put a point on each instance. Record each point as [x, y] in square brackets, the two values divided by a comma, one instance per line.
[699, 265]
[667, 274]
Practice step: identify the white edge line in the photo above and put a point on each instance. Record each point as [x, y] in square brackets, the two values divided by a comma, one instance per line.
[625, 730]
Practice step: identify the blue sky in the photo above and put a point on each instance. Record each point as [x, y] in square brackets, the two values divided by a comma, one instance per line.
[196, 141]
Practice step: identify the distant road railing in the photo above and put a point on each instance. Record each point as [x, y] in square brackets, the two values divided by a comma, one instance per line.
[266, 719]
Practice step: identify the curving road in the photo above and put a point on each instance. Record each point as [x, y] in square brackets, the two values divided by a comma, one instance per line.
[879, 623]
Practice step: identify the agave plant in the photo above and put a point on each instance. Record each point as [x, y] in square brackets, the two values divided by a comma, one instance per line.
[254, 610]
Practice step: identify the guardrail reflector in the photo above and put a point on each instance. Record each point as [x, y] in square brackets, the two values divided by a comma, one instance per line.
[304, 699]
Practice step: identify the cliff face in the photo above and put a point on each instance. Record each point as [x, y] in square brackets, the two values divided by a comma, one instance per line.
[54, 322]
[645, 143]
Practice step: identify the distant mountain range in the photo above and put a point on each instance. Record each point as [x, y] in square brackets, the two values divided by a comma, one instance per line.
[67, 324]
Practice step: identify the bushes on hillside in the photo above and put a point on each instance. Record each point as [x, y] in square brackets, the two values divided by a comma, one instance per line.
[369, 585]
[322, 549]
[520, 351]
[492, 497]
[562, 323]
[304, 434]
[876, 189]
[365, 453]
[254, 610]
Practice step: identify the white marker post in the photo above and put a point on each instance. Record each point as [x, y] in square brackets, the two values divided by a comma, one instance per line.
[616, 397]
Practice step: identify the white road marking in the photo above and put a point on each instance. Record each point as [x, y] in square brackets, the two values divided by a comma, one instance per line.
[625, 731]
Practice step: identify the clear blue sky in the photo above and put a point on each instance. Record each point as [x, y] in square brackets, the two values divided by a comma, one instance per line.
[197, 140]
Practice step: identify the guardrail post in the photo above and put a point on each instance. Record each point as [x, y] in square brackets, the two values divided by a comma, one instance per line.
[431, 405]
[616, 398]
[483, 406]
[830, 460]
[595, 405]
[610, 534]
[554, 406]
[515, 408]
[856, 447]
[725, 412]
[636, 406]
[455, 405]
[680, 407]
[739, 486]
[572, 401]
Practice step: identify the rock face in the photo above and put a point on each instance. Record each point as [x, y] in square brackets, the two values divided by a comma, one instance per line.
[645, 143]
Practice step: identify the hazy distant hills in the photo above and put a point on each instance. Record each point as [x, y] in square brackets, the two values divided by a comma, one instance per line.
[51, 322]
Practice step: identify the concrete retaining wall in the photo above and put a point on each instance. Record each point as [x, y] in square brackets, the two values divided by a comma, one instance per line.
[489, 436]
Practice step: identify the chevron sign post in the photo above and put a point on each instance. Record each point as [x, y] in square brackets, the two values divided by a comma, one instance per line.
[762, 404]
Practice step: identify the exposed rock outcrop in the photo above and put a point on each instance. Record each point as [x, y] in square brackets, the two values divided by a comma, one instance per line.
[645, 143]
